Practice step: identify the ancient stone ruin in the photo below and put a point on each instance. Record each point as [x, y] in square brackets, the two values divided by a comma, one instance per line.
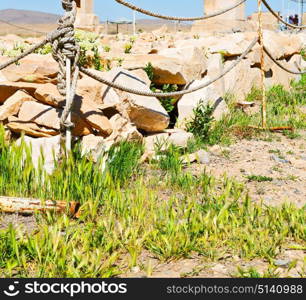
[86, 19]
[232, 20]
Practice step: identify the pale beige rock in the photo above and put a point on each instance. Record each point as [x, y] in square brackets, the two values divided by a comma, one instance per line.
[48, 147]
[145, 112]
[158, 140]
[49, 94]
[12, 105]
[163, 140]
[282, 45]
[142, 75]
[30, 128]
[123, 130]
[93, 147]
[180, 138]
[240, 80]
[87, 110]
[89, 88]
[193, 60]
[33, 69]
[208, 96]
[7, 89]
[2, 77]
[168, 70]
[215, 67]
[50, 117]
[278, 76]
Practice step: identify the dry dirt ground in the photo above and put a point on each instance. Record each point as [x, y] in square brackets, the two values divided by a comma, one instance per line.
[282, 159]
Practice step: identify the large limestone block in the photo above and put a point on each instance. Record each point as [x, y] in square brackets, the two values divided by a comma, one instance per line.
[44, 149]
[49, 94]
[283, 45]
[241, 79]
[172, 69]
[34, 69]
[88, 110]
[49, 117]
[12, 105]
[29, 128]
[208, 95]
[145, 112]
[8, 88]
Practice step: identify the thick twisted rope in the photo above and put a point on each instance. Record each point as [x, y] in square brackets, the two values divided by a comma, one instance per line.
[65, 48]
[282, 66]
[49, 39]
[171, 18]
[174, 94]
[275, 14]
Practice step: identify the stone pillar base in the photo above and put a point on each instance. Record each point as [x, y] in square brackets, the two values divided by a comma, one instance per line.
[87, 22]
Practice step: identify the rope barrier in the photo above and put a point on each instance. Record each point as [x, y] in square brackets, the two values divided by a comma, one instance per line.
[262, 66]
[49, 39]
[282, 66]
[171, 18]
[67, 52]
[275, 14]
[173, 94]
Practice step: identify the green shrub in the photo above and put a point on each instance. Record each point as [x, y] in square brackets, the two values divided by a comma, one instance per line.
[202, 120]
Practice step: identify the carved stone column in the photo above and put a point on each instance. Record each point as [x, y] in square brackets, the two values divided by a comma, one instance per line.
[86, 19]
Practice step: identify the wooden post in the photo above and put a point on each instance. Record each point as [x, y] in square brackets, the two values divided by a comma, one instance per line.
[27, 206]
[134, 22]
[262, 66]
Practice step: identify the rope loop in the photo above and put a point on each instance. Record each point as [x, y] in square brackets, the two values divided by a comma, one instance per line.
[65, 47]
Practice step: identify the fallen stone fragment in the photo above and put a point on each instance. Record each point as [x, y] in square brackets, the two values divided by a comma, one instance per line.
[123, 130]
[49, 94]
[146, 113]
[93, 147]
[208, 96]
[8, 89]
[282, 263]
[88, 111]
[30, 128]
[49, 117]
[163, 140]
[201, 157]
[12, 105]
[280, 160]
[50, 148]
[180, 138]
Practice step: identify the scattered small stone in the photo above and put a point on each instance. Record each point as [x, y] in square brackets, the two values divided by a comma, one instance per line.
[203, 157]
[200, 156]
[135, 269]
[282, 263]
[297, 192]
[280, 160]
[268, 198]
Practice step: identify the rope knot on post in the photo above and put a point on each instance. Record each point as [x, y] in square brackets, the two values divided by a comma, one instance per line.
[66, 52]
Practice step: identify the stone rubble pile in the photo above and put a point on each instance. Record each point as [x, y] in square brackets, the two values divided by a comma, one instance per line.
[103, 116]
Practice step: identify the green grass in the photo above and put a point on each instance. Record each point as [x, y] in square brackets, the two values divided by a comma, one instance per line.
[164, 211]
[259, 178]
[283, 109]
